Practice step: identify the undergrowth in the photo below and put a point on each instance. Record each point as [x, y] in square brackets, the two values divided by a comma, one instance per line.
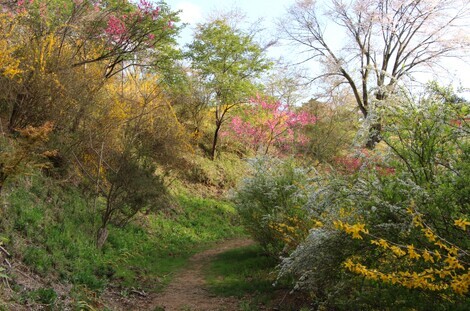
[52, 230]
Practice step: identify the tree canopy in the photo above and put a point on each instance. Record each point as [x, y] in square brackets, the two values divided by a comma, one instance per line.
[228, 61]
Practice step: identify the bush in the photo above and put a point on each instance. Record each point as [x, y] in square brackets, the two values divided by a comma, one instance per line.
[269, 203]
[223, 173]
[406, 211]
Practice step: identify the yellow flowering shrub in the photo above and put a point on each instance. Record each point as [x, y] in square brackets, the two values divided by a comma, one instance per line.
[395, 239]
[294, 229]
[441, 268]
[9, 65]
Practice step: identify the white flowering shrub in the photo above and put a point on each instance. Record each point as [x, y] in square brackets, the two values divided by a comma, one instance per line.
[270, 202]
[394, 230]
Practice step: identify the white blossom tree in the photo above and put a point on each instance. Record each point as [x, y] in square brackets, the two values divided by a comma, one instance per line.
[385, 40]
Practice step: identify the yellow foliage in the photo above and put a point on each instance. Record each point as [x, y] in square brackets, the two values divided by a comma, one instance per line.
[427, 256]
[460, 283]
[294, 229]
[452, 263]
[9, 65]
[397, 251]
[382, 243]
[354, 230]
[429, 234]
[426, 279]
[26, 151]
[34, 134]
[442, 272]
[462, 223]
[412, 253]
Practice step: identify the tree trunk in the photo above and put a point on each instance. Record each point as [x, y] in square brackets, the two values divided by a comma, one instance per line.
[102, 234]
[12, 120]
[375, 129]
[101, 237]
[374, 135]
[214, 141]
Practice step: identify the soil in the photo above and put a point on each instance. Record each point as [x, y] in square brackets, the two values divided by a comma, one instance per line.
[187, 291]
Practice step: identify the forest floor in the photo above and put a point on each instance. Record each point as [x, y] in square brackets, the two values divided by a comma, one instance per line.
[187, 291]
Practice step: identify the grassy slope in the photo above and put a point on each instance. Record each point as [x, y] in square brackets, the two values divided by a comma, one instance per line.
[51, 230]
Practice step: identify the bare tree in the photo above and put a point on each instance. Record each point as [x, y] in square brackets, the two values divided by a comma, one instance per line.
[286, 84]
[385, 40]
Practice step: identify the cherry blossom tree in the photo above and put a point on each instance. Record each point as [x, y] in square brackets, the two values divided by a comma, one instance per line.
[385, 40]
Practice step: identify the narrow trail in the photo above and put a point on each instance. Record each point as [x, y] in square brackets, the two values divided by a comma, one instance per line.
[187, 291]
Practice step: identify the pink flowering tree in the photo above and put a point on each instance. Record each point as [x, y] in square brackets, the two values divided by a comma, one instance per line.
[137, 34]
[92, 38]
[264, 124]
[118, 34]
[362, 159]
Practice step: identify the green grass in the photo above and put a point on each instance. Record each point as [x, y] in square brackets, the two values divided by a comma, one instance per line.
[240, 272]
[249, 274]
[52, 229]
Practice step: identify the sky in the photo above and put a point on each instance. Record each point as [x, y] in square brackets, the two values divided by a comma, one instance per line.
[195, 11]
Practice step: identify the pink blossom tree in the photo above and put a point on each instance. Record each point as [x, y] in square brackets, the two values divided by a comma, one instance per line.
[263, 124]
[134, 34]
[118, 34]
[91, 37]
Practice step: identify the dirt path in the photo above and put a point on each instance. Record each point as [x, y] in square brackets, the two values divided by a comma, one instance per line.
[187, 291]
